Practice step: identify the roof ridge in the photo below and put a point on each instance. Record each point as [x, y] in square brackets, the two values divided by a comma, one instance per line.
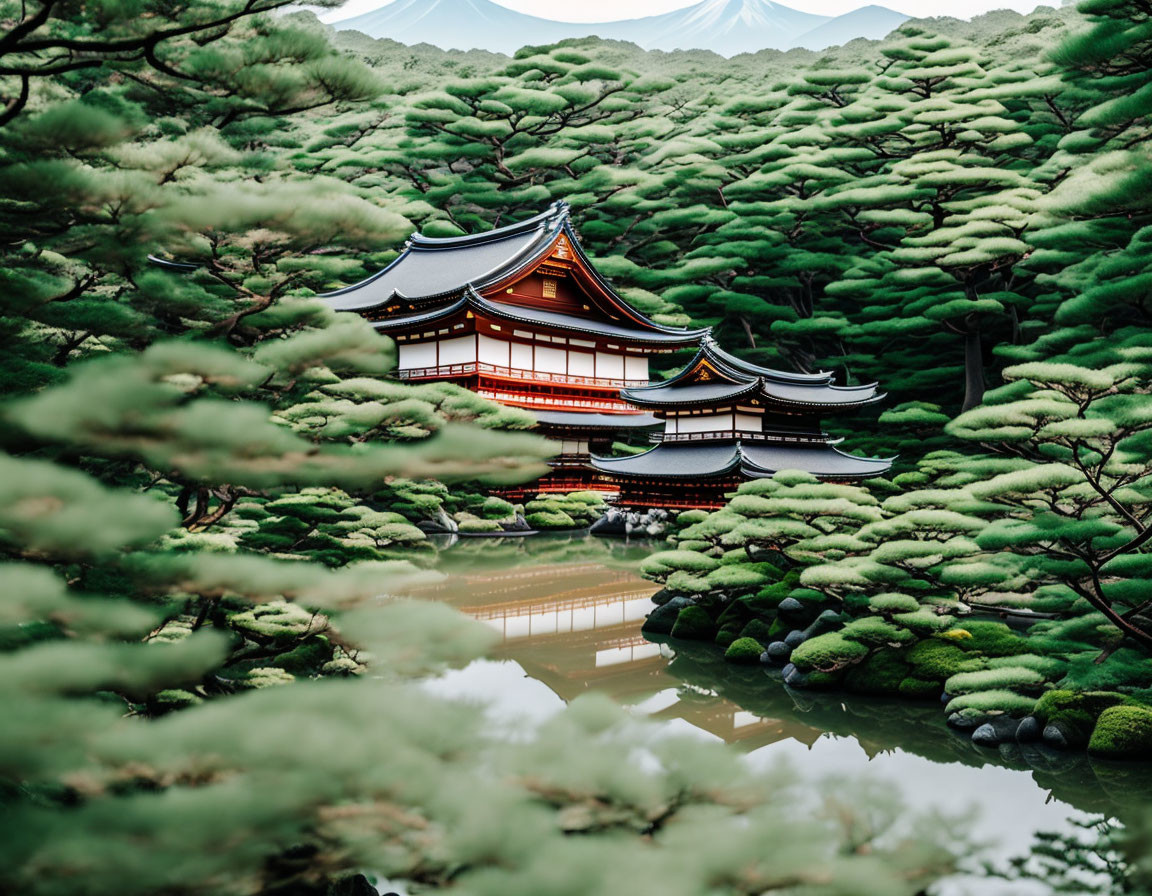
[548, 220]
[712, 347]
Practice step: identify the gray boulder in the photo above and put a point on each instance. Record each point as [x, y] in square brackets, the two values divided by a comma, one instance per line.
[612, 523]
[1054, 735]
[828, 621]
[661, 620]
[779, 651]
[795, 638]
[790, 606]
[961, 722]
[1029, 730]
[519, 524]
[999, 730]
[793, 677]
[440, 524]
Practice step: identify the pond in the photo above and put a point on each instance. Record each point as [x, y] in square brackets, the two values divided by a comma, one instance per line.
[569, 609]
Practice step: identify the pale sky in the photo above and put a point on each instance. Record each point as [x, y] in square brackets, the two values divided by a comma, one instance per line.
[610, 10]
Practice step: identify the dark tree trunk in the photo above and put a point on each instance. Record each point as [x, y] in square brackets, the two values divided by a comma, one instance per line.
[748, 331]
[973, 369]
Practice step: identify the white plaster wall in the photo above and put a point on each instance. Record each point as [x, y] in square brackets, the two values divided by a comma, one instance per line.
[460, 350]
[635, 368]
[706, 423]
[493, 351]
[749, 422]
[417, 354]
[609, 366]
[521, 356]
[551, 360]
[581, 363]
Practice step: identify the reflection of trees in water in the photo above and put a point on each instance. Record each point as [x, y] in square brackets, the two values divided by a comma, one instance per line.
[1098, 855]
[478, 554]
[710, 692]
[880, 725]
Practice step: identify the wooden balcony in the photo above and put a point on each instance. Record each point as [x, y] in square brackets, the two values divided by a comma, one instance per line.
[532, 401]
[718, 435]
[514, 374]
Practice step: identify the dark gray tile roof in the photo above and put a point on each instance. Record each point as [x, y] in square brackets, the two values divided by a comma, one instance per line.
[429, 269]
[743, 378]
[676, 460]
[697, 393]
[820, 460]
[588, 325]
[597, 421]
[519, 314]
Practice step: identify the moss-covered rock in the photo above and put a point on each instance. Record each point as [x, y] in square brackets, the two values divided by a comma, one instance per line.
[920, 689]
[939, 660]
[745, 651]
[760, 630]
[694, 624]
[828, 653]
[879, 675]
[1075, 714]
[475, 526]
[550, 519]
[1123, 732]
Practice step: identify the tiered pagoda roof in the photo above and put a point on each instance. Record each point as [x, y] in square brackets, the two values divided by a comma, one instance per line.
[748, 459]
[786, 406]
[714, 377]
[437, 277]
[471, 300]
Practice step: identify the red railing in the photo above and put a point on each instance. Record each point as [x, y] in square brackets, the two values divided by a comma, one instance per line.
[512, 373]
[549, 401]
[717, 434]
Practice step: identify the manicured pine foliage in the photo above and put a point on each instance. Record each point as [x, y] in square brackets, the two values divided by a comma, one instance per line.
[207, 482]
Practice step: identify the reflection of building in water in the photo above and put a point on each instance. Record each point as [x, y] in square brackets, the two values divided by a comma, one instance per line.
[576, 629]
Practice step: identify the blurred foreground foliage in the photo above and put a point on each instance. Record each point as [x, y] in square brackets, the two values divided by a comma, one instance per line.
[206, 677]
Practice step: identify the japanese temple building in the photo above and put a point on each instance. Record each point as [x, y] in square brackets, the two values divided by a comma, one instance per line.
[727, 421]
[520, 316]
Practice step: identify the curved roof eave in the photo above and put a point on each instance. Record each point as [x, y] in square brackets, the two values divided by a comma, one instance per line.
[711, 349]
[434, 314]
[847, 402]
[525, 257]
[556, 213]
[575, 324]
[870, 467]
[618, 466]
[637, 397]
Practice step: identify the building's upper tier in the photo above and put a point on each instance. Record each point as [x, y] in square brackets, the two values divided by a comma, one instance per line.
[715, 378]
[503, 265]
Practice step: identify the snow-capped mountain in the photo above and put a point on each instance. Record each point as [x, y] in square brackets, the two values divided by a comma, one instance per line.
[724, 26]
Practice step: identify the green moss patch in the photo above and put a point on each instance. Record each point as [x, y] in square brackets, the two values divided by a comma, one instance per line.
[694, 624]
[1123, 732]
[745, 651]
[828, 653]
[881, 674]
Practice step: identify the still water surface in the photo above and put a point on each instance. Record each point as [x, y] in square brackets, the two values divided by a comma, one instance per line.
[569, 610]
